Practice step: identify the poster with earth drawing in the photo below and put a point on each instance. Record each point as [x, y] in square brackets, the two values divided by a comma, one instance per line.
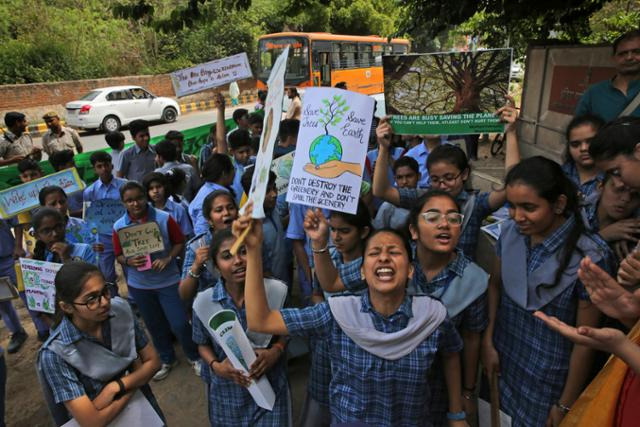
[270, 128]
[331, 149]
[452, 93]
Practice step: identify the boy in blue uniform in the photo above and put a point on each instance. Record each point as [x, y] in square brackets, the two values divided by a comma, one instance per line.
[106, 186]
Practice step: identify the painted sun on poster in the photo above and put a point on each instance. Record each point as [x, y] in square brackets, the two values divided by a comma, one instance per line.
[331, 149]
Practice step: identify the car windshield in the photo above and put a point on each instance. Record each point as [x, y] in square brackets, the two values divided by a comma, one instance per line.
[90, 96]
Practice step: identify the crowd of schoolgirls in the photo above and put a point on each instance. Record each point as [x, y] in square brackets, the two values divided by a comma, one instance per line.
[403, 326]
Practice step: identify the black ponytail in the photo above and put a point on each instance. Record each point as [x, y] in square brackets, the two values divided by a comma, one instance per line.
[550, 182]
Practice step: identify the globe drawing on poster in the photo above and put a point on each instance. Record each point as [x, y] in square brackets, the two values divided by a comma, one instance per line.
[331, 149]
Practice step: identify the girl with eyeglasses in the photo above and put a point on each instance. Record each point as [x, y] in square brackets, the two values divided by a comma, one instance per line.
[228, 399]
[155, 289]
[443, 271]
[337, 268]
[538, 256]
[382, 343]
[49, 228]
[449, 170]
[578, 165]
[97, 356]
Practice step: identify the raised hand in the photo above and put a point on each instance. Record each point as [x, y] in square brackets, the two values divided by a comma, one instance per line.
[384, 132]
[317, 227]
[629, 271]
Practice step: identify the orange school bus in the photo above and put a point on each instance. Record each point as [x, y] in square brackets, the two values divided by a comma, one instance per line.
[323, 59]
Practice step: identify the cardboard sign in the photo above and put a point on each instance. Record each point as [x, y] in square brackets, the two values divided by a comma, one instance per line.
[24, 197]
[211, 74]
[102, 214]
[270, 128]
[451, 93]
[331, 149]
[39, 284]
[141, 239]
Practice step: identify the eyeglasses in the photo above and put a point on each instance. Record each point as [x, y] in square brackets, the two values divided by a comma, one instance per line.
[578, 143]
[447, 179]
[50, 230]
[433, 217]
[95, 301]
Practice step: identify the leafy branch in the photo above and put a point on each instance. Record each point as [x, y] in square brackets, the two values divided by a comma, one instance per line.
[332, 112]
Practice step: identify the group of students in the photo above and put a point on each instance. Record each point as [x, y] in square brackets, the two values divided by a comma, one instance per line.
[397, 313]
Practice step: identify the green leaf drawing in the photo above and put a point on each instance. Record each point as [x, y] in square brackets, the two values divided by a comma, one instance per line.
[333, 114]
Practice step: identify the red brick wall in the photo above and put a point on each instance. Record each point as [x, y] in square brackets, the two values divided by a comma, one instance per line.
[55, 95]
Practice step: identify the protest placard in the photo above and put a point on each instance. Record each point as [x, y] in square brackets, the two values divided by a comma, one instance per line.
[228, 333]
[102, 214]
[211, 74]
[24, 197]
[270, 128]
[141, 239]
[331, 149]
[282, 168]
[451, 93]
[39, 284]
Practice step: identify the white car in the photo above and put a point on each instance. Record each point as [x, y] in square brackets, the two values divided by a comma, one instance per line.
[109, 108]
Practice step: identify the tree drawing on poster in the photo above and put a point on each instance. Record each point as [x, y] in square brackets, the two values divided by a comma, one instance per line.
[452, 92]
[331, 149]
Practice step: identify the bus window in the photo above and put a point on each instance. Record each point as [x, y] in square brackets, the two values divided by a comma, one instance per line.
[378, 51]
[297, 64]
[365, 55]
[399, 49]
[348, 55]
[335, 56]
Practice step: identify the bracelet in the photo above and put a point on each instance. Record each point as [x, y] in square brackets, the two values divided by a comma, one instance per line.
[320, 251]
[467, 395]
[193, 275]
[564, 409]
[456, 416]
[122, 390]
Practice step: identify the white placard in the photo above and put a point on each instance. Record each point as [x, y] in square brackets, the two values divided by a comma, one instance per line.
[39, 284]
[331, 149]
[270, 128]
[282, 168]
[211, 74]
[229, 335]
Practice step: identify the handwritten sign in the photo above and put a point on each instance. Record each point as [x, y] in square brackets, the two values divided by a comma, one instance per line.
[39, 284]
[24, 197]
[282, 168]
[211, 74]
[331, 149]
[270, 128]
[102, 214]
[141, 239]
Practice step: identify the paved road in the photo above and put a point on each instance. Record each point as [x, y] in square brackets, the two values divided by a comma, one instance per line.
[94, 140]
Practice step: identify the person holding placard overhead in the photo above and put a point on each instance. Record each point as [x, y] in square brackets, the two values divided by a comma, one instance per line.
[229, 401]
[98, 355]
[153, 279]
[382, 343]
[107, 186]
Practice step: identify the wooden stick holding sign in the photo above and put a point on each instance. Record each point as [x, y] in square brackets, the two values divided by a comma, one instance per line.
[141, 240]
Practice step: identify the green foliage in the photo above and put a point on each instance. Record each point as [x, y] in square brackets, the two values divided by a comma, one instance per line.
[614, 19]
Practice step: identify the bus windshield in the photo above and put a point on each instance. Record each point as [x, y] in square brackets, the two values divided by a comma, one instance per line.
[297, 64]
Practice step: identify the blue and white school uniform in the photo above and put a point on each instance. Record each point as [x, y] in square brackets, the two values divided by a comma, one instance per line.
[274, 247]
[200, 224]
[156, 294]
[534, 360]
[72, 364]
[179, 213]
[98, 190]
[79, 252]
[7, 244]
[229, 403]
[379, 363]
[461, 286]
[473, 205]
[586, 188]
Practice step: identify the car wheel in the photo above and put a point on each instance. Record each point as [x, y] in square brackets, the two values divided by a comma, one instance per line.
[111, 124]
[169, 115]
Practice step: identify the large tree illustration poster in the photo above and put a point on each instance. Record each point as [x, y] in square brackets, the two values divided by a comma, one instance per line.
[446, 93]
[331, 149]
